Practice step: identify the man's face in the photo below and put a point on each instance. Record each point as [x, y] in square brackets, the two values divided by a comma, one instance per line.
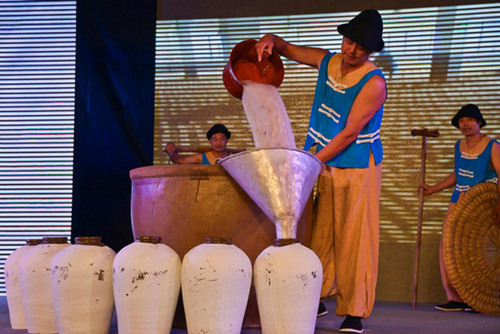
[353, 54]
[218, 142]
[469, 125]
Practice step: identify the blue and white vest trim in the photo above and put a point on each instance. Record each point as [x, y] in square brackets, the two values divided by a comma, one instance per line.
[472, 169]
[331, 107]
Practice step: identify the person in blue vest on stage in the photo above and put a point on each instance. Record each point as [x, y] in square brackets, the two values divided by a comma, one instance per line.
[345, 128]
[477, 160]
[218, 135]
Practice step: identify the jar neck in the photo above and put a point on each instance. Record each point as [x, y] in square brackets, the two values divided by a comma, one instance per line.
[89, 241]
[215, 240]
[33, 242]
[148, 239]
[54, 240]
[285, 242]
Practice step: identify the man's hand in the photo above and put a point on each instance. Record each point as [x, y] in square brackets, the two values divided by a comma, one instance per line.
[428, 190]
[265, 44]
[170, 148]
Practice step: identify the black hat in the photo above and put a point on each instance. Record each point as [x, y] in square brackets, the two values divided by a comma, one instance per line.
[365, 29]
[218, 128]
[469, 110]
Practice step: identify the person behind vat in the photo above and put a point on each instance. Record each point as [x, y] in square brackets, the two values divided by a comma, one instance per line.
[345, 126]
[218, 135]
[477, 160]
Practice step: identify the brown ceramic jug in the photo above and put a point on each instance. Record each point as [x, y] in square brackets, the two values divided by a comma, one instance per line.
[243, 65]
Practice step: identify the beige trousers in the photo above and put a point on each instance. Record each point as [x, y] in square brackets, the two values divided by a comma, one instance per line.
[345, 236]
[449, 289]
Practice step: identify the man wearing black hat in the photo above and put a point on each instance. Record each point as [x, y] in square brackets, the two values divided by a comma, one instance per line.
[217, 135]
[477, 160]
[345, 127]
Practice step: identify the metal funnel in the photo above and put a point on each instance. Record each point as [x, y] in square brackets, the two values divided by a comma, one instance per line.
[279, 180]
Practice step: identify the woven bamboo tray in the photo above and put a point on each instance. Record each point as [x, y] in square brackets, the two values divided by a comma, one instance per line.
[472, 249]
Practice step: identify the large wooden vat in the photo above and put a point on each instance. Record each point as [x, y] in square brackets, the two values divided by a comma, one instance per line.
[184, 204]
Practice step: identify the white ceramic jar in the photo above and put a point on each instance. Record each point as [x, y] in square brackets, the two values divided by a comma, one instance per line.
[146, 283]
[82, 285]
[215, 280]
[13, 285]
[287, 278]
[34, 276]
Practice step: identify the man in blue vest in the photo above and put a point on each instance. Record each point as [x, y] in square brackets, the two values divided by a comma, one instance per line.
[345, 127]
[477, 160]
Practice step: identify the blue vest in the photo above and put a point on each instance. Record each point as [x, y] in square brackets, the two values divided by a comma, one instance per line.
[204, 159]
[472, 169]
[329, 113]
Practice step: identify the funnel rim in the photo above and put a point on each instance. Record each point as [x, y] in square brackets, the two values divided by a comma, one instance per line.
[221, 161]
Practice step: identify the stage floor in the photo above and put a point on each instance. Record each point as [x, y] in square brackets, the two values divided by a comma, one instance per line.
[387, 318]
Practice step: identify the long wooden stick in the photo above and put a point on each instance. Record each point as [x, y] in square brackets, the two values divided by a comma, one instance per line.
[419, 220]
[424, 133]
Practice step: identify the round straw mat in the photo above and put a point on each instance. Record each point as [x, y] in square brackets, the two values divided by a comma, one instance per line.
[472, 249]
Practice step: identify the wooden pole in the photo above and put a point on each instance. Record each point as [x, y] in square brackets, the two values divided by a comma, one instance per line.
[424, 133]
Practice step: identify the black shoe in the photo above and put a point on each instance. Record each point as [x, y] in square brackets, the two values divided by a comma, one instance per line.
[351, 325]
[471, 310]
[452, 307]
[322, 310]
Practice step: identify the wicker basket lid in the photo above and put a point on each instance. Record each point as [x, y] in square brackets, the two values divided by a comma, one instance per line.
[472, 249]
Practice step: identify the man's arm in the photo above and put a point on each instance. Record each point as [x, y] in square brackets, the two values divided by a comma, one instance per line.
[367, 103]
[301, 54]
[448, 182]
[186, 159]
[171, 150]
